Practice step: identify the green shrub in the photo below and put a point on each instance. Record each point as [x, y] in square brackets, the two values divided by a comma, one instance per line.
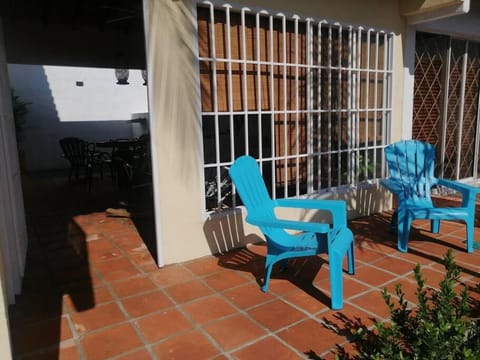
[20, 110]
[441, 326]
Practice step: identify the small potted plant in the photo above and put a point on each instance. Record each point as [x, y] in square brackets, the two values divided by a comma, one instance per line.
[20, 111]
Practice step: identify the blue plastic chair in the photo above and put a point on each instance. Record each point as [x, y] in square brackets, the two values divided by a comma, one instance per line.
[314, 238]
[411, 164]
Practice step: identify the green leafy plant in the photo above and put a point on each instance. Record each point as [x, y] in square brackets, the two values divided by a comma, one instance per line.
[20, 110]
[441, 326]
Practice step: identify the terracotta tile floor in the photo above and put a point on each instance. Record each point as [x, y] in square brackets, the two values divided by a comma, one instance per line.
[92, 290]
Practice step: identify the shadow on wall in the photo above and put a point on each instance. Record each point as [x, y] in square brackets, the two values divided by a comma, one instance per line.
[360, 202]
[224, 232]
[368, 200]
[31, 85]
[64, 108]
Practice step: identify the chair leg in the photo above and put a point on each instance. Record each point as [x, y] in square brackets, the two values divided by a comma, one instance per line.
[89, 177]
[268, 271]
[336, 281]
[435, 226]
[470, 224]
[351, 259]
[394, 222]
[403, 234]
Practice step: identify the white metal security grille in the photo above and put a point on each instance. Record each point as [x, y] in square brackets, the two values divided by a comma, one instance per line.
[311, 100]
[447, 80]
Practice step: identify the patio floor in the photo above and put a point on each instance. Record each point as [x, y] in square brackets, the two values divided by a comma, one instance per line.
[92, 290]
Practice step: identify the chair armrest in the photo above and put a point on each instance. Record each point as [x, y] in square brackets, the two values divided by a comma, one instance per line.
[468, 192]
[456, 185]
[392, 185]
[289, 224]
[337, 208]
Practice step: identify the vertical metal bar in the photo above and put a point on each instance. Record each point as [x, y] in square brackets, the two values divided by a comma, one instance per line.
[259, 91]
[461, 110]
[446, 95]
[297, 130]
[388, 101]
[309, 95]
[319, 105]
[244, 78]
[384, 101]
[229, 83]
[350, 94]
[477, 138]
[272, 108]
[359, 82]
[329, 107]
[367, 104]
[339, 107]
[285, 130]
[375, 106]
[215, 102]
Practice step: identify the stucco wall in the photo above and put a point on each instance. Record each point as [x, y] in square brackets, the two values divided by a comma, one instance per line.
[73, 101]
[184, 231]
[418, 6]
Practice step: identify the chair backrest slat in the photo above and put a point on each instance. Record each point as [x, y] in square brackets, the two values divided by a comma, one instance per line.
[411, 163]
[249, 183]
[75, 150]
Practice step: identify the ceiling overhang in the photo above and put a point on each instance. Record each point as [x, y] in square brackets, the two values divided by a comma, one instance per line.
[422, 11]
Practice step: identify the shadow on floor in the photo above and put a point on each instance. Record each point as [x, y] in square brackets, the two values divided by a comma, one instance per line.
[58, 272]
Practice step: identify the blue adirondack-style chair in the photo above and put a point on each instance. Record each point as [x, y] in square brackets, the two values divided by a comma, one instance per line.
[314, 238]
[411, 164]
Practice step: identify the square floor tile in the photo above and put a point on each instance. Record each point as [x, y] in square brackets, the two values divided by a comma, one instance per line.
[141, 354]
[116, 269]
[204, 266]
[132, 286]
[276, 314]
[395, 265]
[192, 345]
[269, 348]
[171, 275]
[225, 280]
[188, 291]
[163, 324]
[372, 276]
[305, 301]
[146, 303]
[234, 331]
[373, 303]
[97, 317]
[66, 351]
[311, 337]
[40, 335]
[110, 342]
[248, 295]
[208, 309]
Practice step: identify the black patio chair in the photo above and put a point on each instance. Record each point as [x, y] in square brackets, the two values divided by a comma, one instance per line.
[82, 158]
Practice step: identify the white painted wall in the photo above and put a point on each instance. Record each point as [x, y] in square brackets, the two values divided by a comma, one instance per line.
[74, 101]
[176, 130]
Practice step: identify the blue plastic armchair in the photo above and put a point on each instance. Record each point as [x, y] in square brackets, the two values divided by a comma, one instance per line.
[411, 164]
[313, 238]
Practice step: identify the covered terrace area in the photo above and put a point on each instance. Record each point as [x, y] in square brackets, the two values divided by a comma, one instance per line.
[93, 291]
